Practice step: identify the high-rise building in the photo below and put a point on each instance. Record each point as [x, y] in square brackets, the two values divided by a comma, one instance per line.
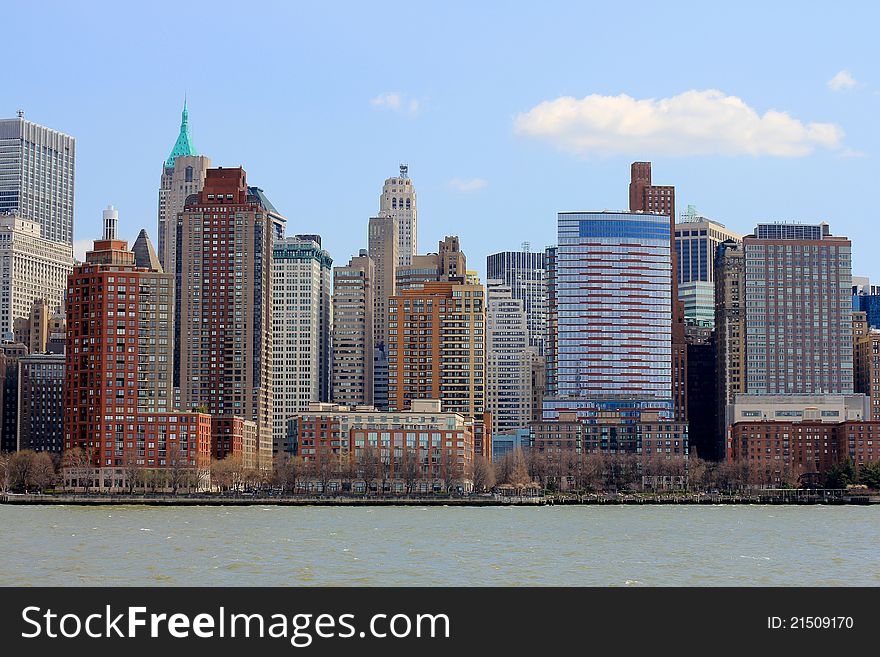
[41, 402]
[10, 354]
[644, 196]
[37, 166]
[509, 359]
[44, 330]
[183, 173]
[223, 341]
[551, 257]
[449, 262]
[382, 248]
[730, 330]
[524, 271]
[31, 267]
[117, 393]
[702, 391]
[613, 287]
[437, 350]
[696, 242]
[300, 329]
[398, 200]
[798, 280]
[866, 358]
[352, 339]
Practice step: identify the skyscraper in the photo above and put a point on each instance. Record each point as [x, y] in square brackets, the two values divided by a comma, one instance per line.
[300, 329]
[33, 267]
[40, 402]
[448, 262]
[437, 350]
[118, 404]
[398, 200]
[223, 341]
[524, 272]
[183, 173]
[509, 359]
[37, 166]
[382, 244]
[696, 242]
[730, 330]
[644, 196]
[798, 310]
[613, 292]
[352, 340]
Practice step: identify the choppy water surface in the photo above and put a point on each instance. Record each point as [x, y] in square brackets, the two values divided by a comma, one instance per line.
[617, 546]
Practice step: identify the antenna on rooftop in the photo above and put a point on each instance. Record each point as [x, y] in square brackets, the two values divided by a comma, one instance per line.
[21, 113]
[526, 246]
[404, 171]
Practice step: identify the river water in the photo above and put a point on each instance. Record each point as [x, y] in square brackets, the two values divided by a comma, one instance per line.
[391, 546]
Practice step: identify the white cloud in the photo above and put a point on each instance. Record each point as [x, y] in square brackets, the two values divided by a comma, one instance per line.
[398, 102]
[843, 80]
[470, 185]
[692, 123]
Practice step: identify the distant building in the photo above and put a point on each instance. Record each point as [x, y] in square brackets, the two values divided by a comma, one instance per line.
[866, 359]
[37, 183]
[798, 280]
[696, 243]
[449, 262]
[507, 442]
[352, 339]
[117, 393]
[398, 200]
[437, 350]
[300, 328]
[41, 402]
[509, 359]
[183, 174]
[613, 311]
[703, 438]
[10, 354]
[525, 273]
[33, 268]
[44, 330]
[223, 334]
[424, 443]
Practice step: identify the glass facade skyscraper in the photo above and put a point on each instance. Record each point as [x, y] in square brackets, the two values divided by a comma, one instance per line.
[614, 306]
[524, 273]
[36, 176]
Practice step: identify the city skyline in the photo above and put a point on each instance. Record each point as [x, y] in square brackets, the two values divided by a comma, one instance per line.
[479, 154]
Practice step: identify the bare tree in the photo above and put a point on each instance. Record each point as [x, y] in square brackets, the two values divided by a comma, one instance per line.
[131, 471]
[178, 467]
[519, 477]
[71, 464]
[325, 469]
[5, 472]
[504, 468]
[43, 471]
[22, 469]
[409, 469]
[483, 474]
[369, 467]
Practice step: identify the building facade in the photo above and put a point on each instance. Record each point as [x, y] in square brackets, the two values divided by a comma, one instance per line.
[644, 196]
[37, 172]
[31, 267]
[183, 173]
[301, 318]
[117, 391]
[798, 280]
[10, 354]
[613, 295]
[398, 200]
[352, 338]
[437, 350]
[866, 359]
[223, 342]
[525, 273]
[696, 243]
[41, 403]
[509, 359]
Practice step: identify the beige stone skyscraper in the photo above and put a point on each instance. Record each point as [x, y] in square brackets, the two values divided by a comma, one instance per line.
[352, 379]
[183, 173]
[398, 200]
[382, 248]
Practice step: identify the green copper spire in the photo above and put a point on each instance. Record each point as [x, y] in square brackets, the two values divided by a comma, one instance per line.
[184, 144]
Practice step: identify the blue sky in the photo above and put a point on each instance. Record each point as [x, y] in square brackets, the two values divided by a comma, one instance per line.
[321, 101]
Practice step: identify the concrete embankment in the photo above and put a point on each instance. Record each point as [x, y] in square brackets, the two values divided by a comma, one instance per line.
[472, 501]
